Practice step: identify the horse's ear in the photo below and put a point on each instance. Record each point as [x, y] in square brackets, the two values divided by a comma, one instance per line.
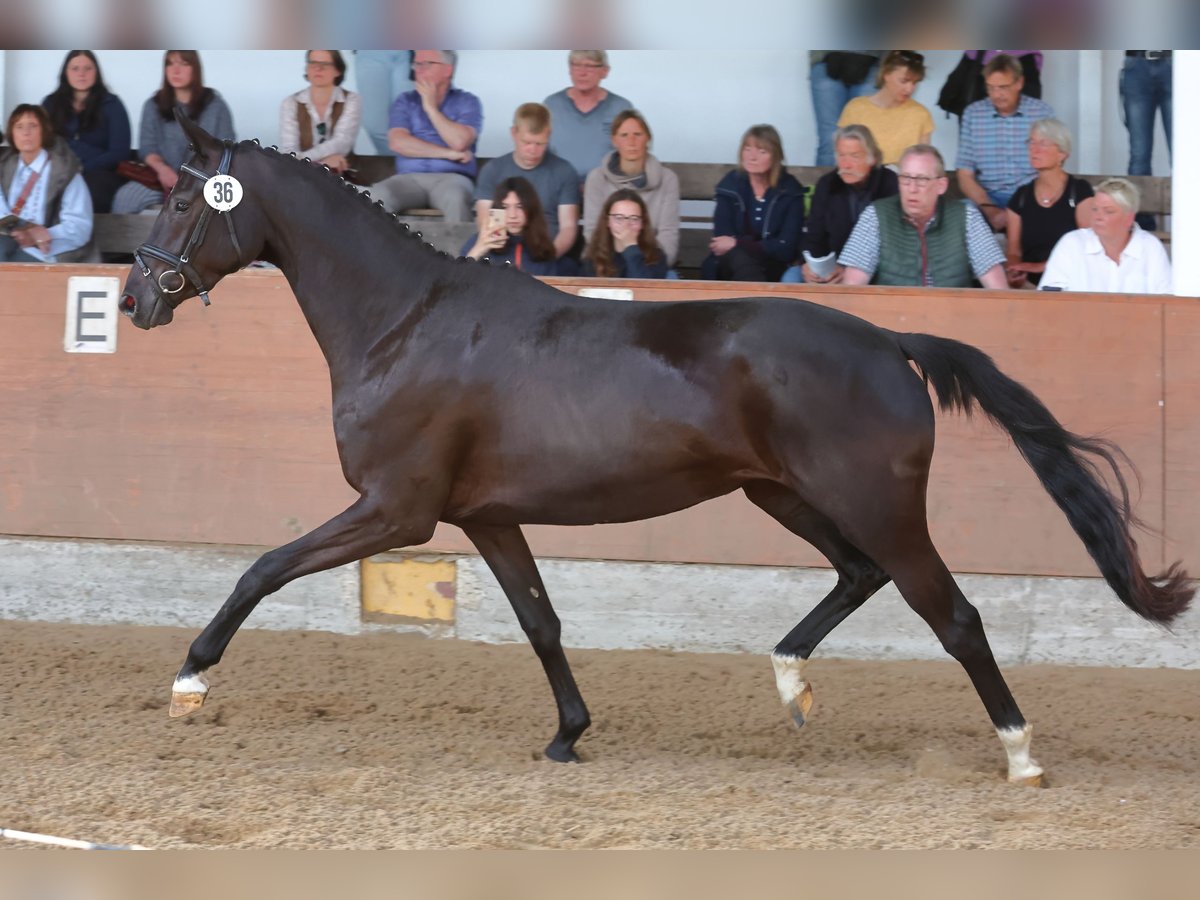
[197, 136]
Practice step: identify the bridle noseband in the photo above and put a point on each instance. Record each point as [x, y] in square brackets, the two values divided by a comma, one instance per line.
[181, 266]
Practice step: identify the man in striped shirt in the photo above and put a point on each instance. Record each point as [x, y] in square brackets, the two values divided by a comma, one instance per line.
[993, 157]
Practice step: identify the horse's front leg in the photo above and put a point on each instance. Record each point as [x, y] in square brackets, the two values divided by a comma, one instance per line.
[507, 554]
[362, 530]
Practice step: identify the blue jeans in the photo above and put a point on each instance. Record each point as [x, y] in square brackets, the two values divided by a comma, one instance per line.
[381, 76]
[829, 96]
[1145, 88]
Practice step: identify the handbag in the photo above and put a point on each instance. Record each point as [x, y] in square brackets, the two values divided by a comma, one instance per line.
[849, 68]
[140, 173]
[963, 86]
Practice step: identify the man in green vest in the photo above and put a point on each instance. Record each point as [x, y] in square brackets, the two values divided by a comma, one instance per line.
[921, 238]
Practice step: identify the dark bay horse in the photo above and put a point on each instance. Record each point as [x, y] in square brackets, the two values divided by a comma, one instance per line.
[479, 396]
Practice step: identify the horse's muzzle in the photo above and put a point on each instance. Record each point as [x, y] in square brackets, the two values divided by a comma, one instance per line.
[145, 315]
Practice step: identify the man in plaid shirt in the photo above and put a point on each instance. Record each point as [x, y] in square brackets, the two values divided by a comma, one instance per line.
[993, 159]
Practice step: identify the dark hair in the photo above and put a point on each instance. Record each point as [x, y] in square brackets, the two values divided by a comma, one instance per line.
[61, 104]
[535, 235]
[201, 96]
[32, 109]
[339, 63]
[600, 250]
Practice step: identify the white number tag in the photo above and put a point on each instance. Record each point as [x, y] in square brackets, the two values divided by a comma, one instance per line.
[223, 192]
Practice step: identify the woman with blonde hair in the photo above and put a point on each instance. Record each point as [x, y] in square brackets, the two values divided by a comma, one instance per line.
[630, 165]
[1113, 255]
[759, 217]
[895, 119]
[623, 245]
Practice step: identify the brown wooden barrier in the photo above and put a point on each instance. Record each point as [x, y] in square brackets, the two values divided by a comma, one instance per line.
[216, 428]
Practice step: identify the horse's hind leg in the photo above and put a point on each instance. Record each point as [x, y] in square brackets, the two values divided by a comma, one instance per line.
[360, 531]
[507, 554]
[929, 588]
[858, 578]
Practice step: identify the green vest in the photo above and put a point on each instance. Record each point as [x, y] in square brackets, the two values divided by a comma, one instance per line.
[945, 246]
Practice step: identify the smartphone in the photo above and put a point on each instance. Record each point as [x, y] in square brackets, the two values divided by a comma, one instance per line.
[496, 217]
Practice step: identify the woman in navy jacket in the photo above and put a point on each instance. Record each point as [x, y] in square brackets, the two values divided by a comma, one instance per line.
[93, 122]
[759, 219]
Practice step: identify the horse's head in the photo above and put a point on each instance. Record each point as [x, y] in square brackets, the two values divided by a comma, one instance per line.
[187, 252]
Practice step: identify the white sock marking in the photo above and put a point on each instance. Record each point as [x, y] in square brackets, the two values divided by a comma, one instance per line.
[194, 684]
[789, 676]
[1016, 744]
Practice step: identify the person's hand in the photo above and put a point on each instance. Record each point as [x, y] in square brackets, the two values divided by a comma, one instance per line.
[1017, 272]
[624, 235]
[811, 277]
[489, 242]
[33, 236]
[458, 156]
[167, 177]
[428, 94]
[996, 217]
[336, 162]
[719, 246]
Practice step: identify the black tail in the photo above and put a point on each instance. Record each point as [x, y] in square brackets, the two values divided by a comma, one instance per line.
[1065, 464]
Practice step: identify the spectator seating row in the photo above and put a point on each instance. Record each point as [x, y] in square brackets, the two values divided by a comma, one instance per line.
[118, 235]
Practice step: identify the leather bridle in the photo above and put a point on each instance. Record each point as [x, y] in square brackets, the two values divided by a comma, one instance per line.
[181, 267]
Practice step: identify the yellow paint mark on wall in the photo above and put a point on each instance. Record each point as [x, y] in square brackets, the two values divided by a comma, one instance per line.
[410, 588]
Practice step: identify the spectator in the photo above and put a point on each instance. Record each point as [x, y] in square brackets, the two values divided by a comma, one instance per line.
[1145, 88]
[993, 160]
[381, 76]
[624, 244]
[433, 133]
[162, 144]
[835, 78]
[896, 120]
[759, 217]
[919, 238]
[1046, 208]
[1114, 254]
[584, 112]
[841, 196]
[965, 84]
[524, 239]
[43, 191]
[321, 121]
[94, 124]
[552, 177]
[632, 166]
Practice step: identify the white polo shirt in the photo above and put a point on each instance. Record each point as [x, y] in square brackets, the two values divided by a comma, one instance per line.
[1078, 263]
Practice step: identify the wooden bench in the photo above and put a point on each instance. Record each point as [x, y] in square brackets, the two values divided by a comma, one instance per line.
[118, 235]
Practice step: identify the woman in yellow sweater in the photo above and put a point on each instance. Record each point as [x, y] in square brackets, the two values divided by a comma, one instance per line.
[896, 120]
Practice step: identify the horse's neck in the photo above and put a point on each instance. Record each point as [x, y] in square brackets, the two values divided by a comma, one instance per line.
[352, 270]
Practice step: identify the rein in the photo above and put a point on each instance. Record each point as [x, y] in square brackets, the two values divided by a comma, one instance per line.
[182, 269]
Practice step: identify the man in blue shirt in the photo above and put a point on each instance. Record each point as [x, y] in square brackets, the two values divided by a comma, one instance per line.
[993, 153]
[433, 130]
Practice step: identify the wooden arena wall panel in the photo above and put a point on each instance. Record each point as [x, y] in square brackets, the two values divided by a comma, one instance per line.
[216, 428]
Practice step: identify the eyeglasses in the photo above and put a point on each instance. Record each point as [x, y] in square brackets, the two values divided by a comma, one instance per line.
[921, 181]
[1001, 88]
[909, 56]
[425, 64]
[625, 220]
[319, 64]
[1043, 145]
[582, 65]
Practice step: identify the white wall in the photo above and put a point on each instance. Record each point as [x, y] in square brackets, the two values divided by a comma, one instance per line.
[697, 101]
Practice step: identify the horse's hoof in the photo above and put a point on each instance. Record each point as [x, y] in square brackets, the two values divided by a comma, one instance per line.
[1028, 781]
[184, 704]
[561, 754]
[800, 705]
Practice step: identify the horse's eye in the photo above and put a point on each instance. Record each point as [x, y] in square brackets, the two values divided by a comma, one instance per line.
[181, 205]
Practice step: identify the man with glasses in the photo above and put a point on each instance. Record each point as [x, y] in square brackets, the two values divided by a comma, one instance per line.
[993, 159]
[583, 113]
[921, 238]
[433, 130]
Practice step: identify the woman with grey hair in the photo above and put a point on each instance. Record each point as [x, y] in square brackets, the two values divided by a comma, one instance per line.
[1113, 255]
[1042, 211]
[840, 197]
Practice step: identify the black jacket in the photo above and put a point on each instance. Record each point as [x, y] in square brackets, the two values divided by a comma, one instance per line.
[836, 207]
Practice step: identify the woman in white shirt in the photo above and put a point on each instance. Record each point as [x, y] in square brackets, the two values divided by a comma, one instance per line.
[1114, 255]
[321, 121]
[44, 202]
